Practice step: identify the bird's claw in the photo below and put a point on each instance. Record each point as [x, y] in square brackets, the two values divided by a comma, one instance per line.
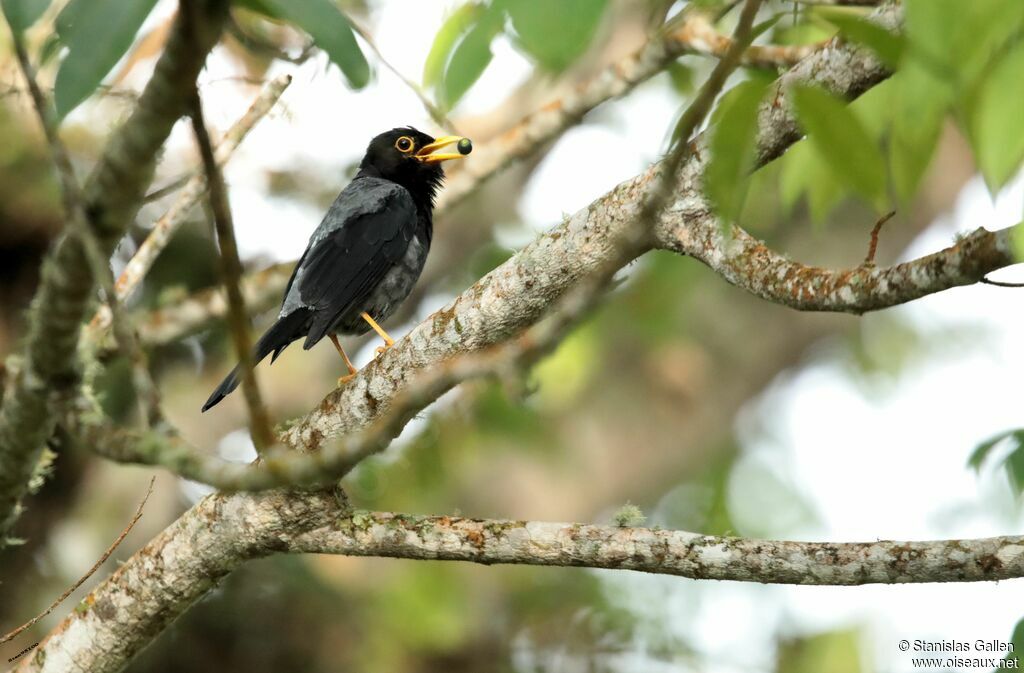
[381, 349]
[342, 380]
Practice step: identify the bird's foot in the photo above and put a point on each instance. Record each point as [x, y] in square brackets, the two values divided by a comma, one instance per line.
[381, 349]
[342, 380]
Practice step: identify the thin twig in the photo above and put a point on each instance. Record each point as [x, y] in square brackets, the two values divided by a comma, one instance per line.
[1000, 283]
[436, 113]
[96, 566]
[231, 267]
[695, 115]
[171, 187]
[873, 246]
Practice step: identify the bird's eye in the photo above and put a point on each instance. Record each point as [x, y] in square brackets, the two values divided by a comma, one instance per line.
[404, 144]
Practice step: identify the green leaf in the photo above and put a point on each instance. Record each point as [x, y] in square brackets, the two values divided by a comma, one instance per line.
[982, 451]
[997, 131]
[330, 30]
[1014, 465]
[451, 30]
[1017, 238]
[470, 58]
[804, 173]
[681, 76]
[841, 140]
[50, 48]
[960, 42]
[97, 34]
[21, 14]
[732, 144]
[760, 29]
[919, 109]
[1017, 639]
[260, 7]
[555, 34]
[887, 46]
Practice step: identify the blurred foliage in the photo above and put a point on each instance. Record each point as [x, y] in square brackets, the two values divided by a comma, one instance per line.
[96, 33]
[835, 652]
[328, 27]
[947, 67]
[21, 14]
[1011, 459]
[552, 34]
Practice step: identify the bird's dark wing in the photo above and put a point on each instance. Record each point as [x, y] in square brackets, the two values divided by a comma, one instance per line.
[350, 257]
[295, 273]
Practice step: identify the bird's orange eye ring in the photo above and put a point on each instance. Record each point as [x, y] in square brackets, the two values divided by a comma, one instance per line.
[405, 145]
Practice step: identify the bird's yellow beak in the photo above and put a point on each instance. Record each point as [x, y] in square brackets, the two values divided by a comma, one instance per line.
[426, 155]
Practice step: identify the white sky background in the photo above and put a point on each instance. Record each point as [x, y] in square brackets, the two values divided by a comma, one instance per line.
[872, 461]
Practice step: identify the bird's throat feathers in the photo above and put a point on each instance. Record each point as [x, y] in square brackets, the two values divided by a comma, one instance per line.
[421, 184]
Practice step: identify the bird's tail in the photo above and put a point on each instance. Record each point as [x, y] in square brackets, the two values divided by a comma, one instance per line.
[276, 339]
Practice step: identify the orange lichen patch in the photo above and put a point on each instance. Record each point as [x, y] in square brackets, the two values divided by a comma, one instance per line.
[552, 106]
[475, 538]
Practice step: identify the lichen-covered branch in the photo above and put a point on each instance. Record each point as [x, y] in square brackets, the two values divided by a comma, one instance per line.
[666, 552]
[747, 263]
[66, 287]
[158, 583]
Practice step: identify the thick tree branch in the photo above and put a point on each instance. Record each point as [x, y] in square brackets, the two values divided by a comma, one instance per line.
[124, 613]
[747, 263]
[666, 552]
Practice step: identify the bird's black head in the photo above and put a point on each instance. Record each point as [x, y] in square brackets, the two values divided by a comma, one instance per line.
[408, 157]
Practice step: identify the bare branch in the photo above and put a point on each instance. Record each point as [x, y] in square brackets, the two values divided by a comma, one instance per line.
[436, 113]
[96, 566]
[222, 532]
[697, 35]
[746, 262]
[231, 269]
[262, 291]
[668, 552]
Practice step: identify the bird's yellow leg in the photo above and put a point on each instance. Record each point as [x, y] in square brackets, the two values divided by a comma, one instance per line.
[352, 371]
[388, 341]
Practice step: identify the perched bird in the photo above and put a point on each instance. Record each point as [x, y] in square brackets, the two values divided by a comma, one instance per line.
[367, 254]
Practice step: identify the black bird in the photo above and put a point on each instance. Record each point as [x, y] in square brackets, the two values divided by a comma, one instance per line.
[367, 254]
